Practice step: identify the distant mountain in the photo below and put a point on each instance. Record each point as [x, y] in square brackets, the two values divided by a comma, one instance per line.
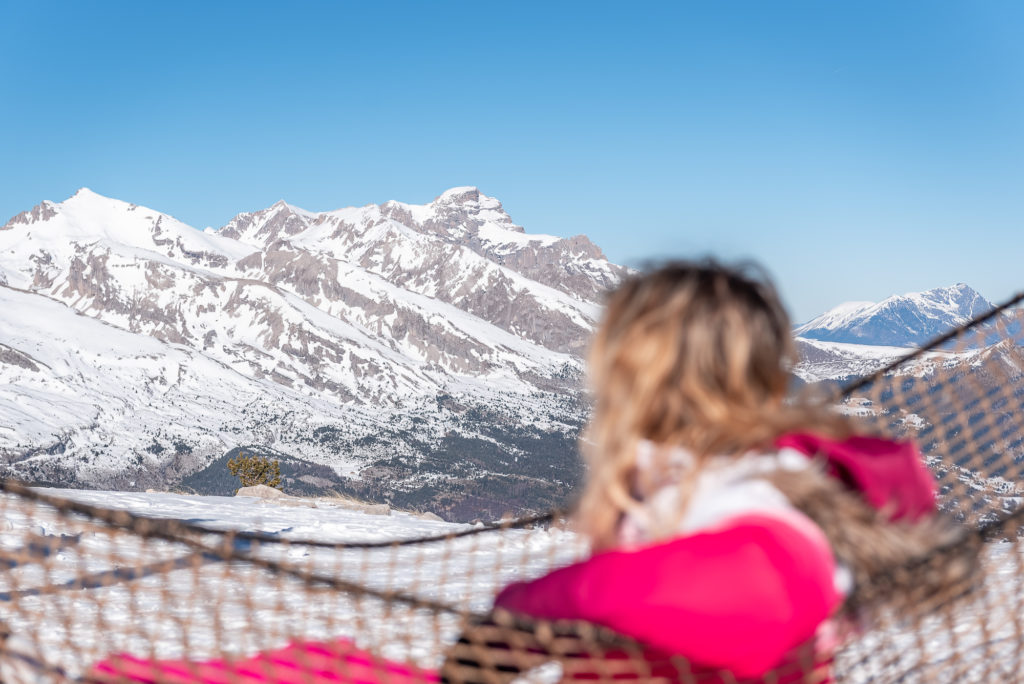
[428, 355]
[907, 320]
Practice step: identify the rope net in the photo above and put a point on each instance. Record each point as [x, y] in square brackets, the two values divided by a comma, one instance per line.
[93, 594]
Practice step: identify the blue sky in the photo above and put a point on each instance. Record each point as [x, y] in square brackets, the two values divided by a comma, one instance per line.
[856, 149]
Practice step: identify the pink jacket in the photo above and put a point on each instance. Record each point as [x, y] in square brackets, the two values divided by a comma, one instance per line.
[745, 593]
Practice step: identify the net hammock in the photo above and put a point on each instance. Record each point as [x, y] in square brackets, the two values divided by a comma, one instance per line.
[80, 583]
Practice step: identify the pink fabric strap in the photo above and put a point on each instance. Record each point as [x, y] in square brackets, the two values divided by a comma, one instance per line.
[310, 662]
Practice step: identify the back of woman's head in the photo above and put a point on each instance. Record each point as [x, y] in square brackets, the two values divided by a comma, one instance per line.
[694, 355]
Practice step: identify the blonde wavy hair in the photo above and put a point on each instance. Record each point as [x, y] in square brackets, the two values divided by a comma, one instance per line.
[695, 355]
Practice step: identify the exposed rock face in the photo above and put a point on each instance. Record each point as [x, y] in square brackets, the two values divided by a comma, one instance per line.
[399, 352]
[462, 249]
[40, 212]
[14, 357]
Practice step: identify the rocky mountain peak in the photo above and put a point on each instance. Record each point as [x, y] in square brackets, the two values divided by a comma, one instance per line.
[266, 225]
[86, 193]
[963, 298]
[958, 301]
[459, 195]
[41, 212]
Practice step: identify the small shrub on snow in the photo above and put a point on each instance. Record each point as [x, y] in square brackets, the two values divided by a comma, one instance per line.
[255, 470]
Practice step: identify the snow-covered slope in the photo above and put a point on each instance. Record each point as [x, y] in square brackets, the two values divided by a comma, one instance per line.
[387, 350]
[841, 362]
[907, 320]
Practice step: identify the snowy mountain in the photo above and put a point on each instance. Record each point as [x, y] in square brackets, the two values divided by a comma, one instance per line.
[907, 320]
[855, 339]
[389, 351]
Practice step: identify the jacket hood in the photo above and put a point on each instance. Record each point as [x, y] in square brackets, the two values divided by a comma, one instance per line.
[889, 475]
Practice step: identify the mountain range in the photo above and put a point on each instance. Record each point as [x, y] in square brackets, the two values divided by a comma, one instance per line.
[425, 355]
[407, 349]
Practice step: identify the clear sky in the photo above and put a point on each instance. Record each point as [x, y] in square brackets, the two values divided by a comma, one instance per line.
[857, 149]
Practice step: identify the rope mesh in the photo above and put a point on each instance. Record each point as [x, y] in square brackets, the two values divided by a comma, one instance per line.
[81, 583]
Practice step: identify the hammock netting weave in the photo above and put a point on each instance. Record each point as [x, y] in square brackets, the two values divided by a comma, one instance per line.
[80, 583]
